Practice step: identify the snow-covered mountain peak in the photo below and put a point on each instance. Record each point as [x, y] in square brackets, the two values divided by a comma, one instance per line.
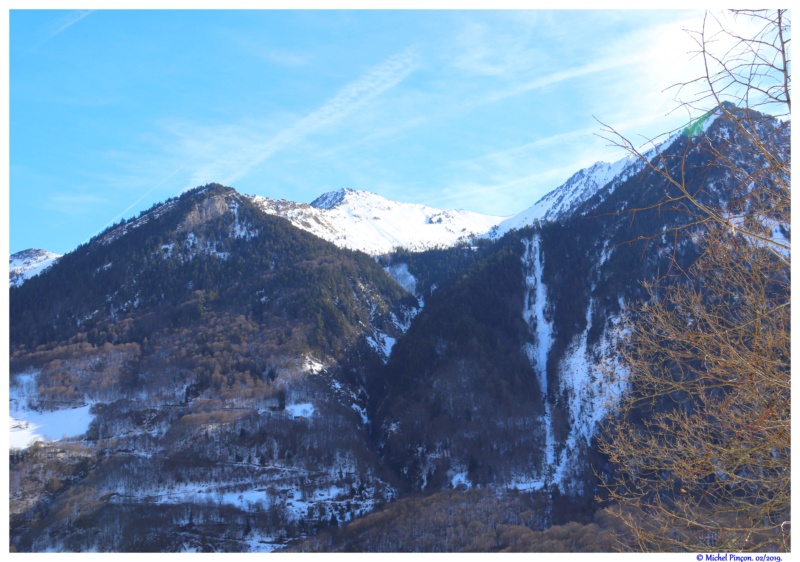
[29, 263]
[328, 200]
[564, 199]
[353, 199]
[361, 220]
[332, 198]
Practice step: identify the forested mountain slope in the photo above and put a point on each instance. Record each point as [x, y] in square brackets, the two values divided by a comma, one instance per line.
[206, 336]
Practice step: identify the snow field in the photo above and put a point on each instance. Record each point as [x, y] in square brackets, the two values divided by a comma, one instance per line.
[27, 426]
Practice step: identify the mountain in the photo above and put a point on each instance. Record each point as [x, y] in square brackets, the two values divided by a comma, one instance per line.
[203, 344]
[517, 349]
[28, 263]
[360, 220]
[231, 375]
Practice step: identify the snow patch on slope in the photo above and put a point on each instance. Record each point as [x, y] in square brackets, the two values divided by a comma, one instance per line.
[304, 410]
[239, 229]
[591, 378]
[380, 341]
[312, 365]
[534, 314]
[593, 382]
[382, 344]
[28, 425]
[403, 277]
[194, 246]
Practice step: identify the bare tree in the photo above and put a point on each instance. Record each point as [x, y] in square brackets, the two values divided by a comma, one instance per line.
[701, 440]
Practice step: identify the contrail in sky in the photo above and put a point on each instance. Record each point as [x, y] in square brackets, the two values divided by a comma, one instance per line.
[355, 94]
[68, 21]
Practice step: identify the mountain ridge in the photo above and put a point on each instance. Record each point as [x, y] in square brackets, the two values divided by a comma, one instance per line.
[359, 206]
[349, 218]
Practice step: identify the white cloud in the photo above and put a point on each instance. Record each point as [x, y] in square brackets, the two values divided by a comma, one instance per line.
[495, 50]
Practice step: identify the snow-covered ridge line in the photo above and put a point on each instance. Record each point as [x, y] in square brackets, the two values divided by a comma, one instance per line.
[360, 220]
[560, 202]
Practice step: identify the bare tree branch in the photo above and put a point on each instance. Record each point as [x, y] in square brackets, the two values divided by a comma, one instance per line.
[701, 441]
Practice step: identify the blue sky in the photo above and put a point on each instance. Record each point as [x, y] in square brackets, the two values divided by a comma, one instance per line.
[113, 111]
